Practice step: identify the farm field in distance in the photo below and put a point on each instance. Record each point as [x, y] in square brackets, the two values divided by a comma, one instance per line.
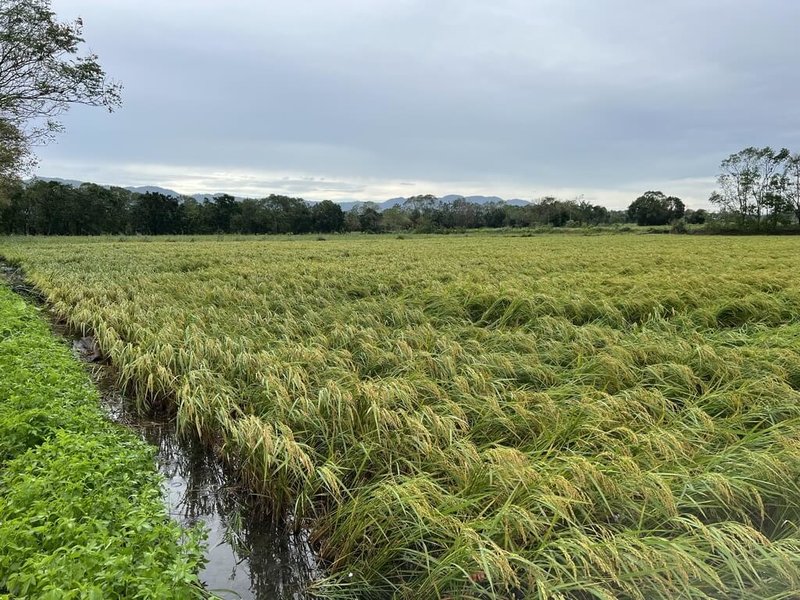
[478, 416]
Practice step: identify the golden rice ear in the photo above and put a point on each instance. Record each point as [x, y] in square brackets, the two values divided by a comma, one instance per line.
[493, 417]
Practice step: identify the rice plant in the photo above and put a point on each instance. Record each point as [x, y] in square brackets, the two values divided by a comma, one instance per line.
[479, 417]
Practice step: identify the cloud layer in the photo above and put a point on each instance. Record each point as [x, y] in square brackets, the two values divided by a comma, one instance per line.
[357, 100]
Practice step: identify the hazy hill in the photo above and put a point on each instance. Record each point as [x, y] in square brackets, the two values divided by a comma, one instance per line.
[443, 200]
[346, 206]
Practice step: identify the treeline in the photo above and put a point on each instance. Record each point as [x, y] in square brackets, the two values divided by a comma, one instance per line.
[426, 214]
[52, 208]
[759, 192]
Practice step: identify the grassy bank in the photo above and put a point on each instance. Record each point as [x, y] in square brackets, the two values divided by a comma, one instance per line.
[81, 513]
[542, 417]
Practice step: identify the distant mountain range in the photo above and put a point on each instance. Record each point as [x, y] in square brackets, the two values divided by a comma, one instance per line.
[346, 206]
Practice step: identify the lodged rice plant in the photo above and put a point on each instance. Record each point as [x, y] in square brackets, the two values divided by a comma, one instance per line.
[477, 417]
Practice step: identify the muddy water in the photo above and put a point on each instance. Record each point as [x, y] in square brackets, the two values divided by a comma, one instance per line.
[248, 556]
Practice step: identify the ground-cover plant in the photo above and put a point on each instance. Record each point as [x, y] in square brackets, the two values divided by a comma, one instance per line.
[478, 417]
[81, 513]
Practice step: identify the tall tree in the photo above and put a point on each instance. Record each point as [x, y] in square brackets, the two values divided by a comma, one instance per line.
[750, 183]
[369, 220]
[420, 208]
[791, 184]
[14, 152]
[223, 210]
[327, 217]
[253, 216]
[287, 215]
[43, 73]
[396, 219]
[156, 214]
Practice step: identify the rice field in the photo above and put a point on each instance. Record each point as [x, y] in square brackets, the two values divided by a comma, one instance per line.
[477, 417]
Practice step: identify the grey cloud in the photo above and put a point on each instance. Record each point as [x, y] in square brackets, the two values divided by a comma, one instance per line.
[513, 94]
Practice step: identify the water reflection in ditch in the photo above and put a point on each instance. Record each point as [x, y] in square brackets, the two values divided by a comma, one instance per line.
[248, 557]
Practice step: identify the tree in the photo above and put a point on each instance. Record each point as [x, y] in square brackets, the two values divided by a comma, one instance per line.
[14, 153]
[252, 218]
[102, 209]
[791, 184]
[696, 217]
[460, 213]
[327, 217]
[750, 183]
[351, 221]
[420, 209]
[156, 214]
[396, 219]
[223, 210]
[287, 215]
[369, 219]
[42, 74]
[654, 208]
[494, 214]
[14, 157]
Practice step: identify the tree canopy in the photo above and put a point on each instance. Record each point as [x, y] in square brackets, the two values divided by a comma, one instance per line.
[655, 208]
[54, 208]
[42, 73]
[327, 217]
[759, 187]
[791, 184]
[14, 152]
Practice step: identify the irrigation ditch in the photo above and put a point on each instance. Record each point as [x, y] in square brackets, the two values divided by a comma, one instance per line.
[249, 555]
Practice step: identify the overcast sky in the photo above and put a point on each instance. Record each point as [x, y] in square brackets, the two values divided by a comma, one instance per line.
[367, 100]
